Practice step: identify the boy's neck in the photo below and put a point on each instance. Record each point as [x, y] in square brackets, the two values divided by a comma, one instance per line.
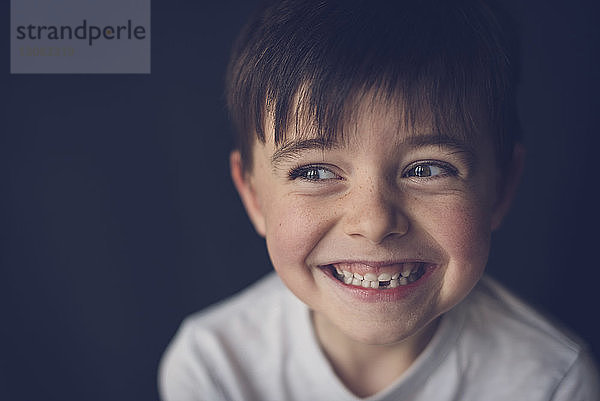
[366, 369]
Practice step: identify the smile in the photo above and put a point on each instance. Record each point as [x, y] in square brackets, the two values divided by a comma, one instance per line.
[402, 274]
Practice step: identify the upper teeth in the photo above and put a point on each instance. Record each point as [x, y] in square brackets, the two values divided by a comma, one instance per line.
[409, 273]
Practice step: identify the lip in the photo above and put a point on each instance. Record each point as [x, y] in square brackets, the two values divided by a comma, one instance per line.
[376, 264]
[379, 295]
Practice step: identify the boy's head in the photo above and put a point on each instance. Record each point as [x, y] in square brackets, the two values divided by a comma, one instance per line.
[375, 154]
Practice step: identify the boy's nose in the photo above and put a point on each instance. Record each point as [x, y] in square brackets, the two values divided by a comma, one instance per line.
[375, 214]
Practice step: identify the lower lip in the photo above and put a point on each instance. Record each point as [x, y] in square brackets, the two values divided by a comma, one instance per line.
[381, 295]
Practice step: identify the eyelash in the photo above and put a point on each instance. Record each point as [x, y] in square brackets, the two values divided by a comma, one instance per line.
[301, 172]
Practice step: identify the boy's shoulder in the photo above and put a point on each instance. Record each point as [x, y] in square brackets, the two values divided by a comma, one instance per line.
[243, 318]
[233, 345]
[507, 343]
[493, 313]
[247, 307]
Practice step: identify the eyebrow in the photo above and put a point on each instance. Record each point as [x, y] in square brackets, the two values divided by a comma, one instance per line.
[455, 145]
[422, 140]
[293, 149]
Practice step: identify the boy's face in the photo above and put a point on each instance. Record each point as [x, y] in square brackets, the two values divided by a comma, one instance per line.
[383, 203]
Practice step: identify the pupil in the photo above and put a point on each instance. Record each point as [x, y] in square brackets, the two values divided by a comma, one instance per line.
[422, 171]
[312, 174]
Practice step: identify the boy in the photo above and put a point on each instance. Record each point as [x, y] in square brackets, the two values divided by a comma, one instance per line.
[377, 150]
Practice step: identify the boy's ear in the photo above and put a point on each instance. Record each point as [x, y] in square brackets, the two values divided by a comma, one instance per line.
[507, 186]
[243, 183]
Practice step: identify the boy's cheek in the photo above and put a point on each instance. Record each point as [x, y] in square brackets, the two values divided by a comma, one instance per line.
[462, 229]
[293, 230]
[463, 233]
[292, 234]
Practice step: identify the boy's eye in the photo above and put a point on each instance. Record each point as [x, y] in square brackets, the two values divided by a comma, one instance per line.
[313, 173]
[430, 169]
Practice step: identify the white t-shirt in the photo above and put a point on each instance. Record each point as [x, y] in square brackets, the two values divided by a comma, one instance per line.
[260, 345]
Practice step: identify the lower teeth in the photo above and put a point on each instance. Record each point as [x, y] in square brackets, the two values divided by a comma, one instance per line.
[400, 281]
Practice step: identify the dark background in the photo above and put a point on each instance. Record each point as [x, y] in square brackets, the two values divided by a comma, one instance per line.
[118, 217]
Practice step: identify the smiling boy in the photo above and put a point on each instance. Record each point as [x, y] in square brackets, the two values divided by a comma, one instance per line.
[377, 151]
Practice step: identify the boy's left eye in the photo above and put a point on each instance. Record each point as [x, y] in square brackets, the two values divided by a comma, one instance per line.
[429, 169]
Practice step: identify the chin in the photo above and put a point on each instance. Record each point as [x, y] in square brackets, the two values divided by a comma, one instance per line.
[386, 332]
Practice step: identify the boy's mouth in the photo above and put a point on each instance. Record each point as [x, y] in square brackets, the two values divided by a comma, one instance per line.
[391, 277]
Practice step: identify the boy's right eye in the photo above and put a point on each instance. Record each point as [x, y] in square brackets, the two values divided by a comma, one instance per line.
[313, 173]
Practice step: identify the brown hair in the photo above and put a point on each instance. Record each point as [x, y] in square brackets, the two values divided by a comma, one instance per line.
[453, 59]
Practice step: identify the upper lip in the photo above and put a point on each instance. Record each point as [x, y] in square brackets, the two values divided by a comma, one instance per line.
[376, 264]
